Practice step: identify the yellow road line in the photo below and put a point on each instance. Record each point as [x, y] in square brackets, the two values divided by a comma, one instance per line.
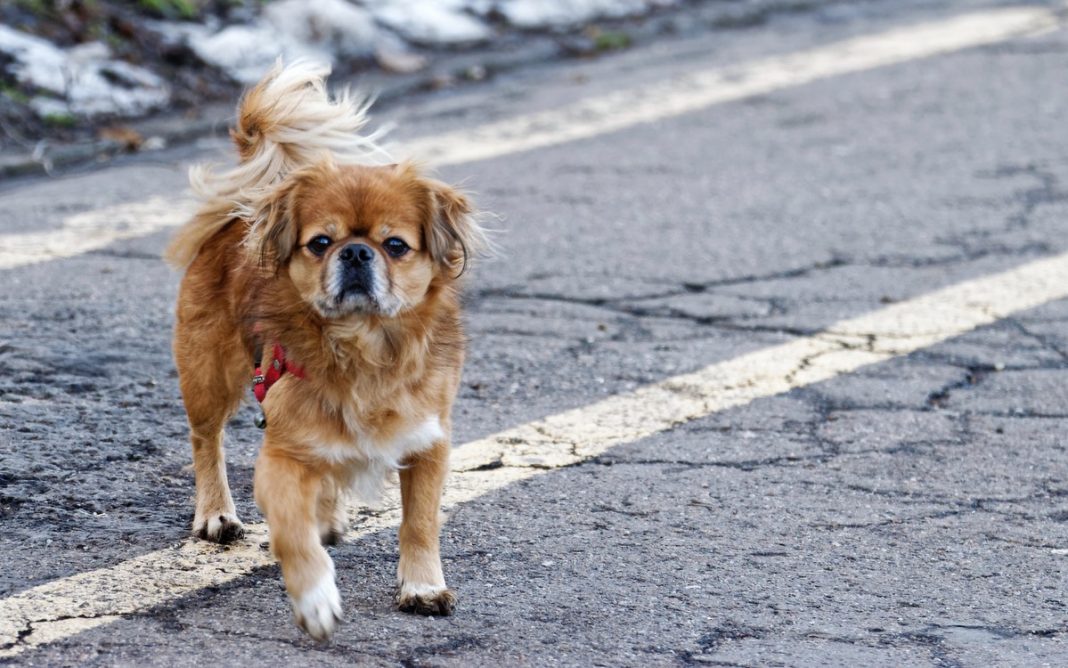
[91, 230]
[697, 90]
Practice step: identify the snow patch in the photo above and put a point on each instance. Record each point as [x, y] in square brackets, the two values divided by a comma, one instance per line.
[541, 14]
[319, 30]
[334, 26]
[246, 52]
[84, 79]
[440, 22]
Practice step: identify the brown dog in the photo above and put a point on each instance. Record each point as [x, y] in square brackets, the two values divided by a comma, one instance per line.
[345, 275]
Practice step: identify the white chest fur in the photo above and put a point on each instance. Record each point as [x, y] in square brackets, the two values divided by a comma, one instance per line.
[368, 461]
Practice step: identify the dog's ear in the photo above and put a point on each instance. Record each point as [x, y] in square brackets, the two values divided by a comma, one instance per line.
[452, 235]
[275, 228]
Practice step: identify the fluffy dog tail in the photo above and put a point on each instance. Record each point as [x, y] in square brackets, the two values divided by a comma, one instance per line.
[285, 122]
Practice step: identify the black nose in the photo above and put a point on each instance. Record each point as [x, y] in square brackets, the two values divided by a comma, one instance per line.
[356, 255]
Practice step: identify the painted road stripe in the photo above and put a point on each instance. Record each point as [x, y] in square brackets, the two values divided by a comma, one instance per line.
[67, 606]
[587, 118]
[697, 90]
[92, 230]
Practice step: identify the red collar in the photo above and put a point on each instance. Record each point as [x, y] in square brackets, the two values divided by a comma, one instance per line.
[276, 366]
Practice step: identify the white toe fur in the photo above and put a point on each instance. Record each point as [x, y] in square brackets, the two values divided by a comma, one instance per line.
[220, 527]
[416, 589]
[318, 610]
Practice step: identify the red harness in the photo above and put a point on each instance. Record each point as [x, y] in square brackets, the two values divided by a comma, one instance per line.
[276, 366]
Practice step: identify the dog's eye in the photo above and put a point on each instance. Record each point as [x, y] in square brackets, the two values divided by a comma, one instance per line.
[395, 246]
[319, 244]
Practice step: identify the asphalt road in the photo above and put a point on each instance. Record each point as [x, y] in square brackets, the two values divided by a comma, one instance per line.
[911, 512]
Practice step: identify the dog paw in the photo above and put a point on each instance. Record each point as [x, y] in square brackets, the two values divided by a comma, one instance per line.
[426, 600]
[219, 528]
[318, 610]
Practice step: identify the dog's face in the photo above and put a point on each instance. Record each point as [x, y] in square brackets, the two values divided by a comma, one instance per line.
[366, 240]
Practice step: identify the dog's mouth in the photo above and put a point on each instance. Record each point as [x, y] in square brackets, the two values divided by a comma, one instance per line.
[357, 297]
[356, 300]
[349, 291]
[348, 301]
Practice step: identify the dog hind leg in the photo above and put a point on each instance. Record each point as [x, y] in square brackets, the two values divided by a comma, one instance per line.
[332, 511]
[212, 378]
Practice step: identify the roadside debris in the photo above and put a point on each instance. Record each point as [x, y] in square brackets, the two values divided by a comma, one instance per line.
[171, 68]
[68, 64]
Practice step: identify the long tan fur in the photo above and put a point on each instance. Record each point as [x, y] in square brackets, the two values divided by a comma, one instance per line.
[376, 331]
[287, 121]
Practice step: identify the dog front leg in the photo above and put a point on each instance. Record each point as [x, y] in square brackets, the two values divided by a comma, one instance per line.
[287, 491]
[420, 579]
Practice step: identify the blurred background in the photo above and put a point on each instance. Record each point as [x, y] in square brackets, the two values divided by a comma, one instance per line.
[77, 71]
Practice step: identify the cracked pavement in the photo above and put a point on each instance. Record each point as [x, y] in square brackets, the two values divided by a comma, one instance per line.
[912, 512]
